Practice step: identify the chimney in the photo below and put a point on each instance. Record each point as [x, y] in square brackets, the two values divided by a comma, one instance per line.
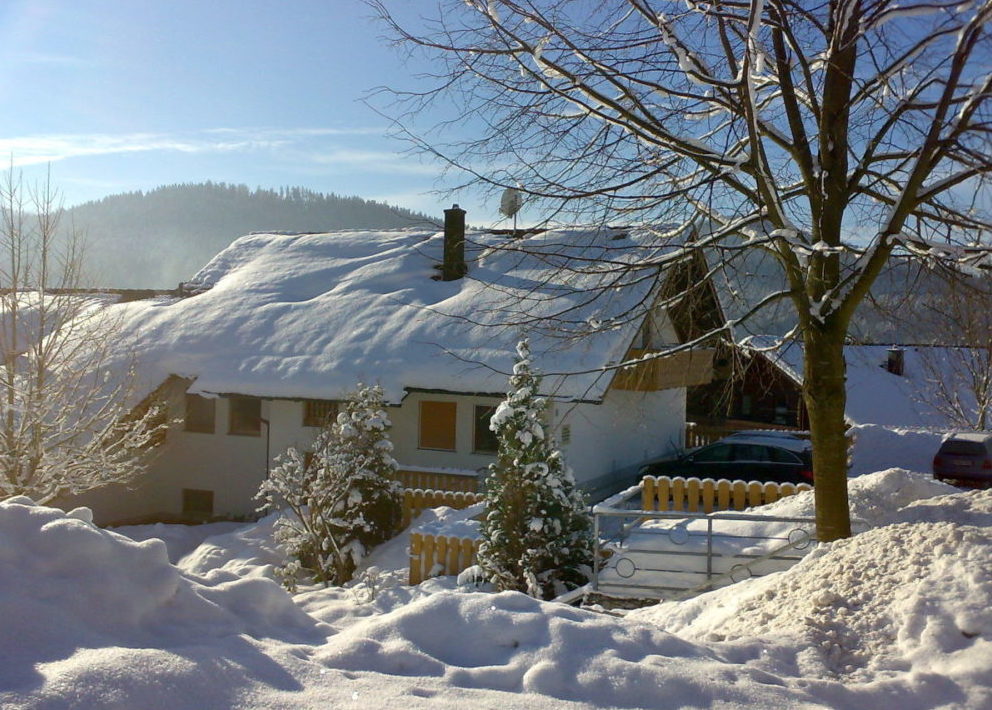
[896, 364]
[454, 267]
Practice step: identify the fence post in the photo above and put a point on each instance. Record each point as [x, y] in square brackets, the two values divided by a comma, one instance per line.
[416, 573]
[692, 491]
[739, 492]
[648, 485]
[678, 493]
[428, 556]
[754, 491]
[467, 556]
[709, 494]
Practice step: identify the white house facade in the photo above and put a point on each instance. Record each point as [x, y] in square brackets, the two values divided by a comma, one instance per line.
[282, 327]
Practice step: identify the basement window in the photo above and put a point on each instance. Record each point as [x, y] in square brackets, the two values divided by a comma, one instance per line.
[484, 441]
[319, 412]
[245, 418]
[200, 414]
[437, 425]
[198, 503]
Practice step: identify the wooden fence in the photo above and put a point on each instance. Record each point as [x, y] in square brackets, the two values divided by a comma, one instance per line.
[438, 480]
[435, 555]
[417, 500]
[704, 496]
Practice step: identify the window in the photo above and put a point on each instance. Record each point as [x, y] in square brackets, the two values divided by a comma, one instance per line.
[437, 425]
[484, 441]
[782, 456]
[197, 503]
[745, 404]
[319, 412]
[750, 452]
[719, 453]
[200, 414]
[245, 416]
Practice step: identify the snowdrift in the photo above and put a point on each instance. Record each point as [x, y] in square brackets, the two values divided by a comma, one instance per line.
[66, 586]
[879, 447]
[898, 615]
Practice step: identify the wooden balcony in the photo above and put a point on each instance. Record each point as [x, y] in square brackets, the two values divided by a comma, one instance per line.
[683, 369]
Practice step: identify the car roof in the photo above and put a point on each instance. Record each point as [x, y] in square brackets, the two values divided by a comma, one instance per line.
[788, 443]
[970, 436]
[764, 434]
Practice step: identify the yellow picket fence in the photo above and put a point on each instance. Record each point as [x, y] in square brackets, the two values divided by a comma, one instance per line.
[417, 500]
[435, 555]
[696, 495]
[438, 480]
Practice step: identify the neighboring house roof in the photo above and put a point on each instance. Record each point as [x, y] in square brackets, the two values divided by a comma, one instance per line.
[877, 396]
[28, 317]
[309, 315]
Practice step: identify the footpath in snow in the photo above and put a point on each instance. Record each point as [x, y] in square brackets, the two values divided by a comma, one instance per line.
[898, 616]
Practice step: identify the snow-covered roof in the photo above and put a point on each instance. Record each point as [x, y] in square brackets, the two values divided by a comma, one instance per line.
[877, 396]
[309, 315]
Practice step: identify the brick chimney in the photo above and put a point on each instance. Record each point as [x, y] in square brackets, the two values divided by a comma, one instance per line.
[896, 362]
[454, 266]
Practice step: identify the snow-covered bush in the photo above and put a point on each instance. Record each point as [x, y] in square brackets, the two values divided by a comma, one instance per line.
[536, 535]
[341, 496]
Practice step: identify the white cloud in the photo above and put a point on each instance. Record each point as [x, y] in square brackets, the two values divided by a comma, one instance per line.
[33, 150]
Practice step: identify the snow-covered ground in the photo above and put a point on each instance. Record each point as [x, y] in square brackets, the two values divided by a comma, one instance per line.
[898, 616]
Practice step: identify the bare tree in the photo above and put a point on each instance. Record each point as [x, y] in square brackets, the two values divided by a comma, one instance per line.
[67, 419]
[958, 367]
[829, 135]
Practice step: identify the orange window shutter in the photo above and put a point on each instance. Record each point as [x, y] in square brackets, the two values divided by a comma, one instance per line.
[437, 425]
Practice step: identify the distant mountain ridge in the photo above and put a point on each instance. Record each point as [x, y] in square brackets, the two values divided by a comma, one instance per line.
[158, 238]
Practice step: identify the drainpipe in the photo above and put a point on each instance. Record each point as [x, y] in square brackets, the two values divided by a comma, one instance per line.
[268, 430]
[454, 266]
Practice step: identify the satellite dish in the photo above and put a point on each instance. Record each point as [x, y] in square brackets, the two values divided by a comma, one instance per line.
[510, 204]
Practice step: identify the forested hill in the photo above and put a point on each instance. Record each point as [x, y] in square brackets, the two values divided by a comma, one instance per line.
[158, 238]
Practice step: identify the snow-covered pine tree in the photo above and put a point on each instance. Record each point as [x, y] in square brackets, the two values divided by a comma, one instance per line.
[537, 532]
[342, 497]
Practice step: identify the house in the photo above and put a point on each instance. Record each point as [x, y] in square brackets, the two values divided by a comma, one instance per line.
[279, 328]
[890, 385]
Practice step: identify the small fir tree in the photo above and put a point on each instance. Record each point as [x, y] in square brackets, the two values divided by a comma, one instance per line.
[537, 533]
[342, 495]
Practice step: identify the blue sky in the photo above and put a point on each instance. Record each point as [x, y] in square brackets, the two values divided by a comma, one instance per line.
[131, 94]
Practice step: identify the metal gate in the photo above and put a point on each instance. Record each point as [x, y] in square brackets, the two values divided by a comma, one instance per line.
[676, 555]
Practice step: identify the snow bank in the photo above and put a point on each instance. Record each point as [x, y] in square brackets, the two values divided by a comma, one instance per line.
[877, 447]
[66, 584]
[907, 597]
[511, 642]
[180, 540]
[898, 615]
[912, 596]
[249, 551]
[875, 498]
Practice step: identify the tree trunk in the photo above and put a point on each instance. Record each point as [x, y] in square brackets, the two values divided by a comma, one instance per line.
[825, 393]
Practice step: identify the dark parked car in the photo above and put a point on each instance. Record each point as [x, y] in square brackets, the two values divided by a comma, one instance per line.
[744, 456]
[965, 459]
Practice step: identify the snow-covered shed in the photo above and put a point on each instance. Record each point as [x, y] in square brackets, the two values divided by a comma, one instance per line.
[281, 327]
